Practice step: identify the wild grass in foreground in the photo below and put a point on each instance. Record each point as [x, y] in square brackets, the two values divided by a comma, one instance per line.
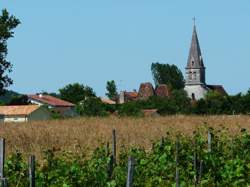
[86, 134]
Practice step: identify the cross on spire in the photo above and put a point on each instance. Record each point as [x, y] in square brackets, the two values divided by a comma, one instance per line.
[194, 20]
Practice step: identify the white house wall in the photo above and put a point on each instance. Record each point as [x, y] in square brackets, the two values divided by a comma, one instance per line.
[32, 101]
[37, 115]
[35, 102]
[15, 119]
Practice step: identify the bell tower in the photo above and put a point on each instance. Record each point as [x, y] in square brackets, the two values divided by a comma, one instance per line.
[195, 84]
[195, 69]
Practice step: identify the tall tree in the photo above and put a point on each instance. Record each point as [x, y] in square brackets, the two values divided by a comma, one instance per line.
[76, 92]
[111, 89]
[167, 74]
[7, 25]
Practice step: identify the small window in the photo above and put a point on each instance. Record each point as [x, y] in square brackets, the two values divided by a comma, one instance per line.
[190, 76]
[192, 63]
[193, 96]
[194, 75]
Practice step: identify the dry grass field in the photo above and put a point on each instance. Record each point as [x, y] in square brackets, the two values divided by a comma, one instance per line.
[85, 134]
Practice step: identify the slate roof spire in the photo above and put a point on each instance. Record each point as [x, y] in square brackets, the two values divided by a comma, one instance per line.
[195, 58]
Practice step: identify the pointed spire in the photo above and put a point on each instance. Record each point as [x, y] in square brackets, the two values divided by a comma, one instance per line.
[195, 57]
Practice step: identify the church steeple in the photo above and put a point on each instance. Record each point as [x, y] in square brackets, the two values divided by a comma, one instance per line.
[195, 69]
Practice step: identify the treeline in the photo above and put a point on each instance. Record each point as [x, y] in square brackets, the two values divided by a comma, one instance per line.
[179, 103]
[214, 103]
[88, 104]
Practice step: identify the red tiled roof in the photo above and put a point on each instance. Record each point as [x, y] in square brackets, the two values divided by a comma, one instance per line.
[50, 100]
[108, 101]
[131, 94]
[18, 110]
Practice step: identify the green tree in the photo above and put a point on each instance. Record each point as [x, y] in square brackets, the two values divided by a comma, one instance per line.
[91, 106]
[7, 24]
[111, 89]
[216, 103]
[76, 93]
[181, 100]
[167, 74]
[245, 103]
[130, 109]
[177, 103]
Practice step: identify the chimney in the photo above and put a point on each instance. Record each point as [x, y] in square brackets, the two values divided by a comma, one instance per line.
[122, 97]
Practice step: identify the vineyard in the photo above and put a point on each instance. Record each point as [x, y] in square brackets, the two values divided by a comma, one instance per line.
[207, 158]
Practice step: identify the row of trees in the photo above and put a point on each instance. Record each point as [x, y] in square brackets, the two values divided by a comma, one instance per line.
[88, 104]
[177, 103]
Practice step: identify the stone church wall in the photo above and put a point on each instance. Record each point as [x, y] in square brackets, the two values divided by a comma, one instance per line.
[196, 91]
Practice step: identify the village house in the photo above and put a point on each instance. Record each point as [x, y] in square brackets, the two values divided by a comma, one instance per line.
[64, 108]
[23, 113]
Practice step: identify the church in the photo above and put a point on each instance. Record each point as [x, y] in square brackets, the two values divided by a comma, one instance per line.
[195, 81]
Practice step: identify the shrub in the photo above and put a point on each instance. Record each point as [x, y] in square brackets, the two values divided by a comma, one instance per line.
[91, 106]
[130, 109]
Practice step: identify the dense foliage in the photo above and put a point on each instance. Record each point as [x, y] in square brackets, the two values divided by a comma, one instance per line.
[7, 24]
[167, 74]
[227, 164]
[19, 100]
[215, 103]
[8, 96]
[91, 106]
[179, 103]
[111, 90]
[76, 92]
[130, 109]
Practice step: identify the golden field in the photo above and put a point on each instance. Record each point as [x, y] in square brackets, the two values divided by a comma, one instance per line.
[85, 134]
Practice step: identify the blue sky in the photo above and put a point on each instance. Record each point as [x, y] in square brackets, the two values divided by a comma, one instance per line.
[90, 42]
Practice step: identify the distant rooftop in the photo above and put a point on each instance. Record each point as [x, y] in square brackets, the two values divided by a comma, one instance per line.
[18, 110]
[50, 100]
[108, 101]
